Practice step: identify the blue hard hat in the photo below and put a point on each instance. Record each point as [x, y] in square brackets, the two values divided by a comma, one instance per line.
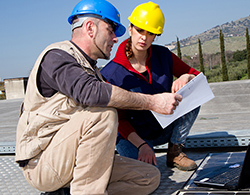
[101, 8]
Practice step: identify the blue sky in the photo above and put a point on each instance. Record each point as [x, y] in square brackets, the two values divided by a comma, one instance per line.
[28, 26]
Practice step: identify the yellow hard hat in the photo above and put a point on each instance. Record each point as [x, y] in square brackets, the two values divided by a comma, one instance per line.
[149, 17]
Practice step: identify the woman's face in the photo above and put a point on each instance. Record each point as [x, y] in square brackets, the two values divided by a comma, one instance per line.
[141, 39]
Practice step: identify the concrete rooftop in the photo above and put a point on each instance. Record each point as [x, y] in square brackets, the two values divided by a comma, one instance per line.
[222, 125]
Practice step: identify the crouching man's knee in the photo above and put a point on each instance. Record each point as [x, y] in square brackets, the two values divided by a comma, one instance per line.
[103, 118]
[156, 179]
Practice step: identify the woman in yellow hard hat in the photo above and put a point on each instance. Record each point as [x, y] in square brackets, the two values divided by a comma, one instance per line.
[142, 67]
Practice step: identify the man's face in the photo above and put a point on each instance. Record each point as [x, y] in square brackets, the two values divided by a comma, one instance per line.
[105, 39]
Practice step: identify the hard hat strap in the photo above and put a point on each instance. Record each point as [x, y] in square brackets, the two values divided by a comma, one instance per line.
[104, 55]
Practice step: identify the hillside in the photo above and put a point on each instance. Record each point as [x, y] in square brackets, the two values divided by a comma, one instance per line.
[234, 34]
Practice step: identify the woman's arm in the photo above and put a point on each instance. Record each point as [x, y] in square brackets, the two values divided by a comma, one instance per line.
[145, 152]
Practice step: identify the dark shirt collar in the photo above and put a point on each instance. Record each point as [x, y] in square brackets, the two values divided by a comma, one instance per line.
[91, 61]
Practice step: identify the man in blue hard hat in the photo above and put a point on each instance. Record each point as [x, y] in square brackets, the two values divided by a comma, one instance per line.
[67, 129]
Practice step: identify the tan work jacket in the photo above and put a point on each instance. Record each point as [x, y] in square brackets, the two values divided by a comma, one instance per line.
[42, 117]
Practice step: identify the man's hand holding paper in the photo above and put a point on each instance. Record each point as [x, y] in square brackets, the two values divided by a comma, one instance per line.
[171, 102]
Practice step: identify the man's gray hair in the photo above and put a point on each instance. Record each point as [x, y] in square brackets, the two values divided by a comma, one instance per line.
[81, 19]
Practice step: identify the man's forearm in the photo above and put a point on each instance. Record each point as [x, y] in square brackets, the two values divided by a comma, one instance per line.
[124, 99]
[163, 103]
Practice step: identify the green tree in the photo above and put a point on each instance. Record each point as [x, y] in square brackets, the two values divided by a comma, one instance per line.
[240, 55]
[248, 53]
[178, 48]
[223, 59]
[202, 69]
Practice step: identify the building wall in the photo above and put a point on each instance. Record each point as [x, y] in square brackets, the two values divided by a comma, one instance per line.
[15, 88]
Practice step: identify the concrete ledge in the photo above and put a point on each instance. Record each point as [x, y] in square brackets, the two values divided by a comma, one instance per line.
[7, 147]
[238, 138]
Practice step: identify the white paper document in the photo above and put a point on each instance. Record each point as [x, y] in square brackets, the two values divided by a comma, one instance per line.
[195, 93]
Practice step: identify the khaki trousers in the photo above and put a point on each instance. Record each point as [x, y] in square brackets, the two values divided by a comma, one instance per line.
[81, 156]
